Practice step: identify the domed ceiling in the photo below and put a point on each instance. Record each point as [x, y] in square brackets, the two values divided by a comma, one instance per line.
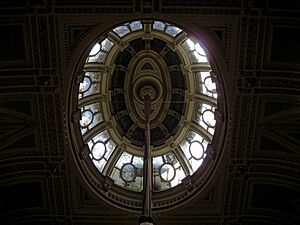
[164, 62]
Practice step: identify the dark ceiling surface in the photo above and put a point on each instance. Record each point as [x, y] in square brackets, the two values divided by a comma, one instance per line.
[171, 120]
[255, 45]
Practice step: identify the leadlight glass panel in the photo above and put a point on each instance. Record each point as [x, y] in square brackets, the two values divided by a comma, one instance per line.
[204, 116]
[137, 25]
[194, 147]
[167, 171]
[106, 45]
[199, 49]
[196, 150]
[90, 117]
[205, 84]
[158, 182]
[195, 51]
[159, 25]
[99, 57]
[86, 118]
[138, 162]
[128, 172]
[99, 51]
[196, 57]
[173, 31]
[103, 136]
[189, 45]
[101, 147]
[122, 30]
[90, 84]
[169, 29]
[98, 150]
[85, 85]
[95, 50]
[124, 158]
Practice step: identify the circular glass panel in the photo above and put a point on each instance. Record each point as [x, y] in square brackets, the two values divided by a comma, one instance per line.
[128, 172]
[209, 118]
[85, 85]
[167, 172]
[86, 118]
[98, 150]
[196, 150]
[210, 86]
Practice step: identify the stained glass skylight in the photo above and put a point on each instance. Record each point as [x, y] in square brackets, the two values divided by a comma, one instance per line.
[182, 118]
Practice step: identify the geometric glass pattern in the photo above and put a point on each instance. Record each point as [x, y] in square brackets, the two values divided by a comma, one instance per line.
[178, 71]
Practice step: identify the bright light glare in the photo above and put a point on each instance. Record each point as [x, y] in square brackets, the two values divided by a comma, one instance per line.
[98, 150]
[190, 44]
[196, 150]
[95, 49]
[199, 49]
[208, 117]
[199, 57]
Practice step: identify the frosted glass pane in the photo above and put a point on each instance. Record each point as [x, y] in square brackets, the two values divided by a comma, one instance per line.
[100, 164]
[195, 137]
[167, 172]
[86, 118]
[185, 148]
[204, 75]
[208, 118]
[196, 150]
[106, 45]
[98, 150]
[199, 49]
[110, 147]
[128, 172]
[124, 158]
[171, 158]
[138, 162]
[85, 85]
[137, 25]
[158, 25]
[210, 85]
[157, 162]
[102, 137]
[196, 163]
[98, 118]
[196, 57]
[189, 45]
[172, 30]
[121, 30]
[115, 175]
[95, 50]
[178, 177]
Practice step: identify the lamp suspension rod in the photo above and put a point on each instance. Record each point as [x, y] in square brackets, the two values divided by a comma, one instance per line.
[147, 183]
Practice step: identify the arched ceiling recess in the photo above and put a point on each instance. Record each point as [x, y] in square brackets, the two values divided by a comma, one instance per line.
[161, 59]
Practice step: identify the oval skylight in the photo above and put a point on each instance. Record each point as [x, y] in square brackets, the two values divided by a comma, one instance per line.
[130, 59]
